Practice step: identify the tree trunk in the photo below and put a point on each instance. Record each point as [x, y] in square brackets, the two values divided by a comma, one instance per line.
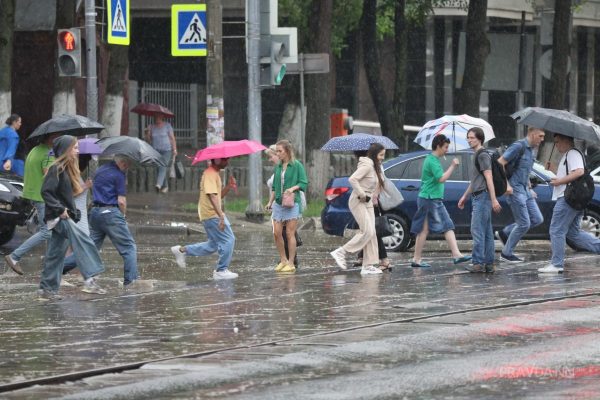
[318, 96]
[116, 83]
[396, 132]
[477, 50]
[372, 65]
[555, 91]
[7, 13]
[64, 101]
[557, 86]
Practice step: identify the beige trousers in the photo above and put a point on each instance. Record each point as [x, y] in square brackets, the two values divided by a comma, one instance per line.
[365, 239]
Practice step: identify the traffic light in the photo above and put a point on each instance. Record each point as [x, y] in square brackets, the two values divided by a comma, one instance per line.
[278, 45]
[277, 66]
[69, 52]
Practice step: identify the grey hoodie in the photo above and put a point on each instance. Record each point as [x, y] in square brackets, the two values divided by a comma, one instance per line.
[57, 191]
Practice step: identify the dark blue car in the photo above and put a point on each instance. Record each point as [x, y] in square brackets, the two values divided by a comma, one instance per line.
[405, 172]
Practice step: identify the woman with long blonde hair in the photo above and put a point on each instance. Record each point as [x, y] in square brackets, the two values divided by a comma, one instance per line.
[286, 202]
[61, 183]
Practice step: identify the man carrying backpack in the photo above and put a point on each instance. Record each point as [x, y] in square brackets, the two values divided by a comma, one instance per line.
[518, 162]
[483, 199]
[566, 220]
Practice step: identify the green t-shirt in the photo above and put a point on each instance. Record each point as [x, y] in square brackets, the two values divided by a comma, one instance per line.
[37, 160]
[431, 188]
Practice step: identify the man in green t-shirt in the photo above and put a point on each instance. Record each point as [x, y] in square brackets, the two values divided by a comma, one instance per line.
[37, 164]
[432, 216]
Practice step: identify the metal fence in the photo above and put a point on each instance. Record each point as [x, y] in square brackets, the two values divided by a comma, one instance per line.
[182, 99]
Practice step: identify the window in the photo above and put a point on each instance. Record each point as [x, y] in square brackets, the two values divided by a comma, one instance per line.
[414, 169]
[396, 171]
[457, 174]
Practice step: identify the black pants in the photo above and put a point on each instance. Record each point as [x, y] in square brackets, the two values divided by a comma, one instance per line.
[380, 246]
[285, 243]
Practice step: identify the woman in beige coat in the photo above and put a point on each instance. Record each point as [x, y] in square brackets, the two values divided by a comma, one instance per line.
[366, 182]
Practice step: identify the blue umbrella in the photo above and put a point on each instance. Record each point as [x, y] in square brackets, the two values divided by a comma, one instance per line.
[357, 142]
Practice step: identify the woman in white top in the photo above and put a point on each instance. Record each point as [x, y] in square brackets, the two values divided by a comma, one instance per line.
[161, 136]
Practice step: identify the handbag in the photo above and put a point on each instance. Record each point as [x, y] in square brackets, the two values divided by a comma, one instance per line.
[390, 197]
[383, 227]
[179, 169]
[287, 200]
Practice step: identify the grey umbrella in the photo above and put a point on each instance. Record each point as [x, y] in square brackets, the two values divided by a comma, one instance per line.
[75, 125]
[131, 147]
[559, 121]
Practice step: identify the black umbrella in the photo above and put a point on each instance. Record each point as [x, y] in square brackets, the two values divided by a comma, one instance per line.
[75, 125]
[559, 121]
[132, 148]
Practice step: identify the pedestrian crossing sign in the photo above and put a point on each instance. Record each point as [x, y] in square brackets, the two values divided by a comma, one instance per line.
[188, 30]
[118, 22]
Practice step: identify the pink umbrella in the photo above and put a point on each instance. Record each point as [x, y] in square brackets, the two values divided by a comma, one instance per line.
[228, 149]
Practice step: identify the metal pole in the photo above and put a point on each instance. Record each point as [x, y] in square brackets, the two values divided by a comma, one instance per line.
[254, 212]
[302, 112]
[92, 78]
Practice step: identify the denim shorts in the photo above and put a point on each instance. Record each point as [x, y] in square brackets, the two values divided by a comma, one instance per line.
[438, 219]
[281, 213]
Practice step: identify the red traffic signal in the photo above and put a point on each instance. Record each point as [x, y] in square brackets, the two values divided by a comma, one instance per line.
[67, 40]
[69, 52]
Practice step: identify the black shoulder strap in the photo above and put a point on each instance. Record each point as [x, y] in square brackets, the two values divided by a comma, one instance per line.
[477, 153]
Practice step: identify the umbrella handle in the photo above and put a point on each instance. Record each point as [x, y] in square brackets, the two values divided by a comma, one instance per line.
[454, 135]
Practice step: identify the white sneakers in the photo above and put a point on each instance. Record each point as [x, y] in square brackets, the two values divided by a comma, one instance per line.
[339, 255]
[179, 256]
[225, 274]
[370, 270]
[551, 269]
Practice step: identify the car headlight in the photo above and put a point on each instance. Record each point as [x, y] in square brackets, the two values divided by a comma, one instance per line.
[4, 188]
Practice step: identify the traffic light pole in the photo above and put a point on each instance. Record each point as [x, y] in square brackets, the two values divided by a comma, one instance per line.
[92, 78]
[254, 212]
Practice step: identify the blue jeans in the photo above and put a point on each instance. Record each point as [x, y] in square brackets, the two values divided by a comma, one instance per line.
[162, 178]
[109, 221]
[434, 212]
[66, 233]
[526, 214]
[221, 241]
[566, 224]
[481, 229]
[40, 236]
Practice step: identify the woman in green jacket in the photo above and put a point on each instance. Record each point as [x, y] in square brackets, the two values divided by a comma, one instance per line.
[285, 202]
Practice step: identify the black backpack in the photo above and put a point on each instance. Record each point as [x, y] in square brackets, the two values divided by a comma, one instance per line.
[498, 174]
[579, 192]
[511, 166]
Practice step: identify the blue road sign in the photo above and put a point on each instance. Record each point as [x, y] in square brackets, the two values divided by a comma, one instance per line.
[188, 30]
[118, 22]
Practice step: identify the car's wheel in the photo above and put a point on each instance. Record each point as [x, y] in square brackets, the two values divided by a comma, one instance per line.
[6, 234]
[400, 240]
[589, 223]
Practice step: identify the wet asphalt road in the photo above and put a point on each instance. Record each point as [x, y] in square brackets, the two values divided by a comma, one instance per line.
[547, 350]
